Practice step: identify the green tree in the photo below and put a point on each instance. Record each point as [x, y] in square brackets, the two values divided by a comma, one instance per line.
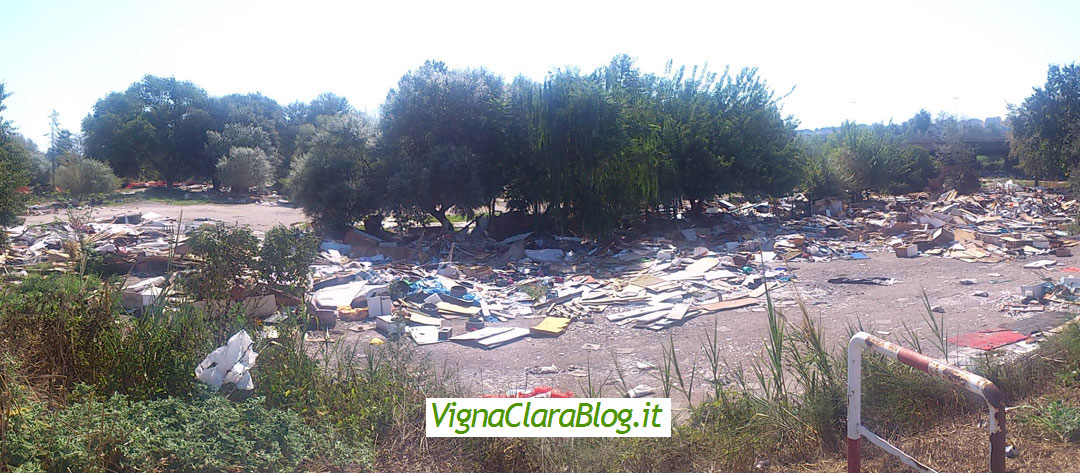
[594, 177]
[226, 256]
[527, 177]
[327, 104]
[83, 177]
[14, 172]
[758, 138]
[960, 169]
[240, 135]
[338, 180]
[244, 168]
[723, 134]
[442, 132]
[157, 125]
[41, 167]
[919, 125]
[1045, 133]
[61, 141]
[260, 122]
[875, 158]
[286, 256]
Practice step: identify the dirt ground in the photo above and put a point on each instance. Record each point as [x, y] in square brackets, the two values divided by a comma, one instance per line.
[257, 216]
[836, 306]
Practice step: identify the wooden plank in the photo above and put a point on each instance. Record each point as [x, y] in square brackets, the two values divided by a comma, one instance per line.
[424, 335]
[648, 319]
[728, 305]
[551, 326]
[503, 338]
[666, 296]
[637, 312]
[479, 334]
[454, 309]
[677, 312]
[702, 265]
[760, 290]
[646, 280]
[419, 318]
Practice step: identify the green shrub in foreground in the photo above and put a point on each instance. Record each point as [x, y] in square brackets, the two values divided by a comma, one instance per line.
[171, 434]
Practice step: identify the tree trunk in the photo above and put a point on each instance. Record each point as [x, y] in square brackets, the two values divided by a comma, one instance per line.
[440, 215]
[373, 226]
[695, 206]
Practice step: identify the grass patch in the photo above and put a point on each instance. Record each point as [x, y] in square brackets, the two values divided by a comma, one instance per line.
[171, 434]
[1057, 417]
[537, 291]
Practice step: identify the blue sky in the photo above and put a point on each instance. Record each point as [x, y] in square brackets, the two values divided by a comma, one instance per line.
[863, 60]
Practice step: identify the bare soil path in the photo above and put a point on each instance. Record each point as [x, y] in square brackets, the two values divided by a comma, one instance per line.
[259, 217]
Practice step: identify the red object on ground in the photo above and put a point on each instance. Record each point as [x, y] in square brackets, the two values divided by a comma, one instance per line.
[1071, 269]
[988, 339]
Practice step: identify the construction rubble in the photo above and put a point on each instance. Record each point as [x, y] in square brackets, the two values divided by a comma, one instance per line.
[475, 290]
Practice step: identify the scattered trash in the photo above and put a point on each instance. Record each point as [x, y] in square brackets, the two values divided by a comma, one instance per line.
[640, 390]
[230, 363]
[880, 281]
[968, 282]
[1010, 451]
[1040, 264]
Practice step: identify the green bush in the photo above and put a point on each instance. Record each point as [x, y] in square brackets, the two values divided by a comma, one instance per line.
[226, 255]
[1058, 417]
[209, 435]
[243, 169]
[83, 177]
[68, 329]
[286, 256]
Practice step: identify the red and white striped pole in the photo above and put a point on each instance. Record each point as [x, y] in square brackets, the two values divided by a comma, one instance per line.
[964, 379]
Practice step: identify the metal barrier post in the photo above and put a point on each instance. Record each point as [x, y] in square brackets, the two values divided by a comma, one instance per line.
[964, 379]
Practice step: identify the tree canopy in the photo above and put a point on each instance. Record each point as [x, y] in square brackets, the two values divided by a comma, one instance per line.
[158, 125]
[14, 171]
[442, 135]
[1046, 126]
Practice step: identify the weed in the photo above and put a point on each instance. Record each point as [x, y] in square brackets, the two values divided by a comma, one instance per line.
[591, 388]
[212, 434]
[536, 291]
[1058, 418]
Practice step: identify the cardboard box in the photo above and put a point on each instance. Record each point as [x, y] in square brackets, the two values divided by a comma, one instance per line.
[906, 251]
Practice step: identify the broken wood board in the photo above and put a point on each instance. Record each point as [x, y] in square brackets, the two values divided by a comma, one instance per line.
[551, 326]
[666, 296]
[419, 318]
[424, 334]
[479, 334]
[457, 310]
[646, 280]
[648, 319]
[503, 338]
[760, 290]
[677, 312]
[729, 304]
[638, 312]
[703, 265]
